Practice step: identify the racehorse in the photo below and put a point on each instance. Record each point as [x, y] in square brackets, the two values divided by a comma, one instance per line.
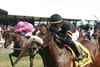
[95, 39]
[96, 36]
[21, 47]
[55, 55]
[97, 32]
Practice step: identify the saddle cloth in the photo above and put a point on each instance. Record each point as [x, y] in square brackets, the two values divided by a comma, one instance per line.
[86, 60]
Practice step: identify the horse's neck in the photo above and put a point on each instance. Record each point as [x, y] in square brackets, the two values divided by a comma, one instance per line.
[52, 55]
[21, 42]
[52, 47]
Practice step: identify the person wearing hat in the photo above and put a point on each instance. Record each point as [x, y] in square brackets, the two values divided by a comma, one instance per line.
[96, 33]
[86, 29]
[25, 28]
[63, 31]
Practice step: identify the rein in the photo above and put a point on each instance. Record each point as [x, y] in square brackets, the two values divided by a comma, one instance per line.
[17, 49]
[46, 45]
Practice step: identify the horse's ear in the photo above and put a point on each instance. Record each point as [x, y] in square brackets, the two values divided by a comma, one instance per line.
[12, 29]
[48, 25]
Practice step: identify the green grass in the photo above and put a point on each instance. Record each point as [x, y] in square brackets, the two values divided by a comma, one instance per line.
[24, 62]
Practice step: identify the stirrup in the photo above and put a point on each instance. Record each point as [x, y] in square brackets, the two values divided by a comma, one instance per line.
[86, 55]
[80, 57]
[83, 53]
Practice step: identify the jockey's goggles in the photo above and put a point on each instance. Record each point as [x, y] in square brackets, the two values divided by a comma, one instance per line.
[55, 25]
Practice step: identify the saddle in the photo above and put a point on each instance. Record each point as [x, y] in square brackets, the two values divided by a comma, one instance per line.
[84, 51]
[23, 34]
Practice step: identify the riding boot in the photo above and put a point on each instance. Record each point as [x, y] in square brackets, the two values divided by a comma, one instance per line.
[79, 55]
[69, 41]
[88, 35]
[27, 37]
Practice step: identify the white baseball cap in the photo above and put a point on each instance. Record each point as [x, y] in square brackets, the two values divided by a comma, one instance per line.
[83, 22]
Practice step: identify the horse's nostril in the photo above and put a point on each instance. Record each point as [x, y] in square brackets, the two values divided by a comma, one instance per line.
[34, 48]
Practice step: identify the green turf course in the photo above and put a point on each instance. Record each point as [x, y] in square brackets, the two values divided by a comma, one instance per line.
[24, 62]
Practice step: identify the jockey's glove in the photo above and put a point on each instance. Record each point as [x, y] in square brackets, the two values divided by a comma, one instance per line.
[55, 35]
[67, 40]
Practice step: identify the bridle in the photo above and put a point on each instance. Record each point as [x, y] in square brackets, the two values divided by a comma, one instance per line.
[46, 44]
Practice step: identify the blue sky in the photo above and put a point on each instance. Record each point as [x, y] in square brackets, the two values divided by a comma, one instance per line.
[79, 9]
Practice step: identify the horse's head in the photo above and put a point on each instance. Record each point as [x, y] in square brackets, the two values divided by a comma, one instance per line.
[9, 36]
[35, 44]
[43, 32]
[42, 39]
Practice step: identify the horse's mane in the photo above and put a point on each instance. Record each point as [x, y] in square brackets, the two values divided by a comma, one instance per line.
[17, 38]
[48, 36]
[45, 34]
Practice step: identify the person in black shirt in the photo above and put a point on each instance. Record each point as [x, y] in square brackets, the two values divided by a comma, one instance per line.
[65, 29]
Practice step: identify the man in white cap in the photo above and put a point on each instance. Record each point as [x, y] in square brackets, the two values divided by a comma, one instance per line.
[86, 29]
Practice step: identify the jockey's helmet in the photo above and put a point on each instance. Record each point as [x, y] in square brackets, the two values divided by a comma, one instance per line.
[83, 22]
[55, 18]
[20, 24]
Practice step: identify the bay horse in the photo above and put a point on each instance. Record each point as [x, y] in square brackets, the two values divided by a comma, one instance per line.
[55, 55]
[96, 36]
[21, 47]
[95, 39]
[97, 31]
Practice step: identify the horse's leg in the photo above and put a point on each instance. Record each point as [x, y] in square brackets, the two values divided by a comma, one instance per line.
[31, 60]
[11, 60]
[18, 58]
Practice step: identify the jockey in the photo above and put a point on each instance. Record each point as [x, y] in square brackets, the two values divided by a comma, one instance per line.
[58, 26]
[97, 30]
[86, 29]
[25, 28]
